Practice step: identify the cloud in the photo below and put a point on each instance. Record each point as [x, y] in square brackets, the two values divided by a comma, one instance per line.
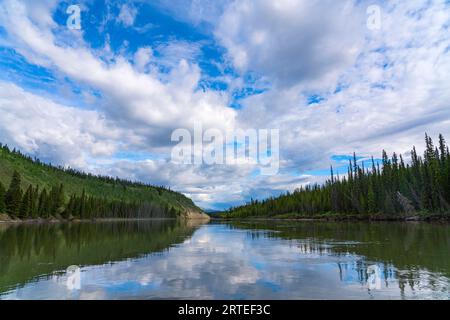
[171, 53]
[127, 15]
[292, 42]
[392, 94]
[59, 133]
[197, 12]
[142, 58]
[143, 101]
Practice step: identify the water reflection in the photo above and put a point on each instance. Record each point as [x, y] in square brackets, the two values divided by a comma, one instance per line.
[222, 261]
[413, 257]
[37, 250]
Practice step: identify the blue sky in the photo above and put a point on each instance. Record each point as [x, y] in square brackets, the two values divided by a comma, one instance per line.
[107, 97]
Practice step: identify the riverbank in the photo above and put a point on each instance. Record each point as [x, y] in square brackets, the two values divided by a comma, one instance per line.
[420, 217]
[5, 219]
[196, 215]
[9, 220]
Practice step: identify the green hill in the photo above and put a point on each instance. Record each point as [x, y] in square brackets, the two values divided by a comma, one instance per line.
[113, 190]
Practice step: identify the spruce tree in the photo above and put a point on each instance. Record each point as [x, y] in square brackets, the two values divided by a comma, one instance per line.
[371, 201]
[13, 196]
[43, 207]
[35, 202]
[2, 198]
[56, 199]
[26, 205]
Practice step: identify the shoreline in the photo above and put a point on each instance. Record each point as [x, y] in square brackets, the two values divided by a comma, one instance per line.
[187, 216]
[98, 220]
[54, 220]
[349, 218]
[444, 218]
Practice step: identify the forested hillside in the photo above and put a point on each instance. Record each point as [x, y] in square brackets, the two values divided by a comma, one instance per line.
[394, 189]
[30, 188]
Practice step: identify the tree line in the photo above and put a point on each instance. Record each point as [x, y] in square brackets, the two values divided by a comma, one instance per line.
[394, 189]
[36, 202]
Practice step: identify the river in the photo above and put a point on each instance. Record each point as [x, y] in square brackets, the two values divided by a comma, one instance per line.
[168, 259]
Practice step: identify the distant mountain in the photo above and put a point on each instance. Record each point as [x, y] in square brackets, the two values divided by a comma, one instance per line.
[213, 212]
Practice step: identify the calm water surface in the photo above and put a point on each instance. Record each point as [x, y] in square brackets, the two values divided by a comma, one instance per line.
[169, 259]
